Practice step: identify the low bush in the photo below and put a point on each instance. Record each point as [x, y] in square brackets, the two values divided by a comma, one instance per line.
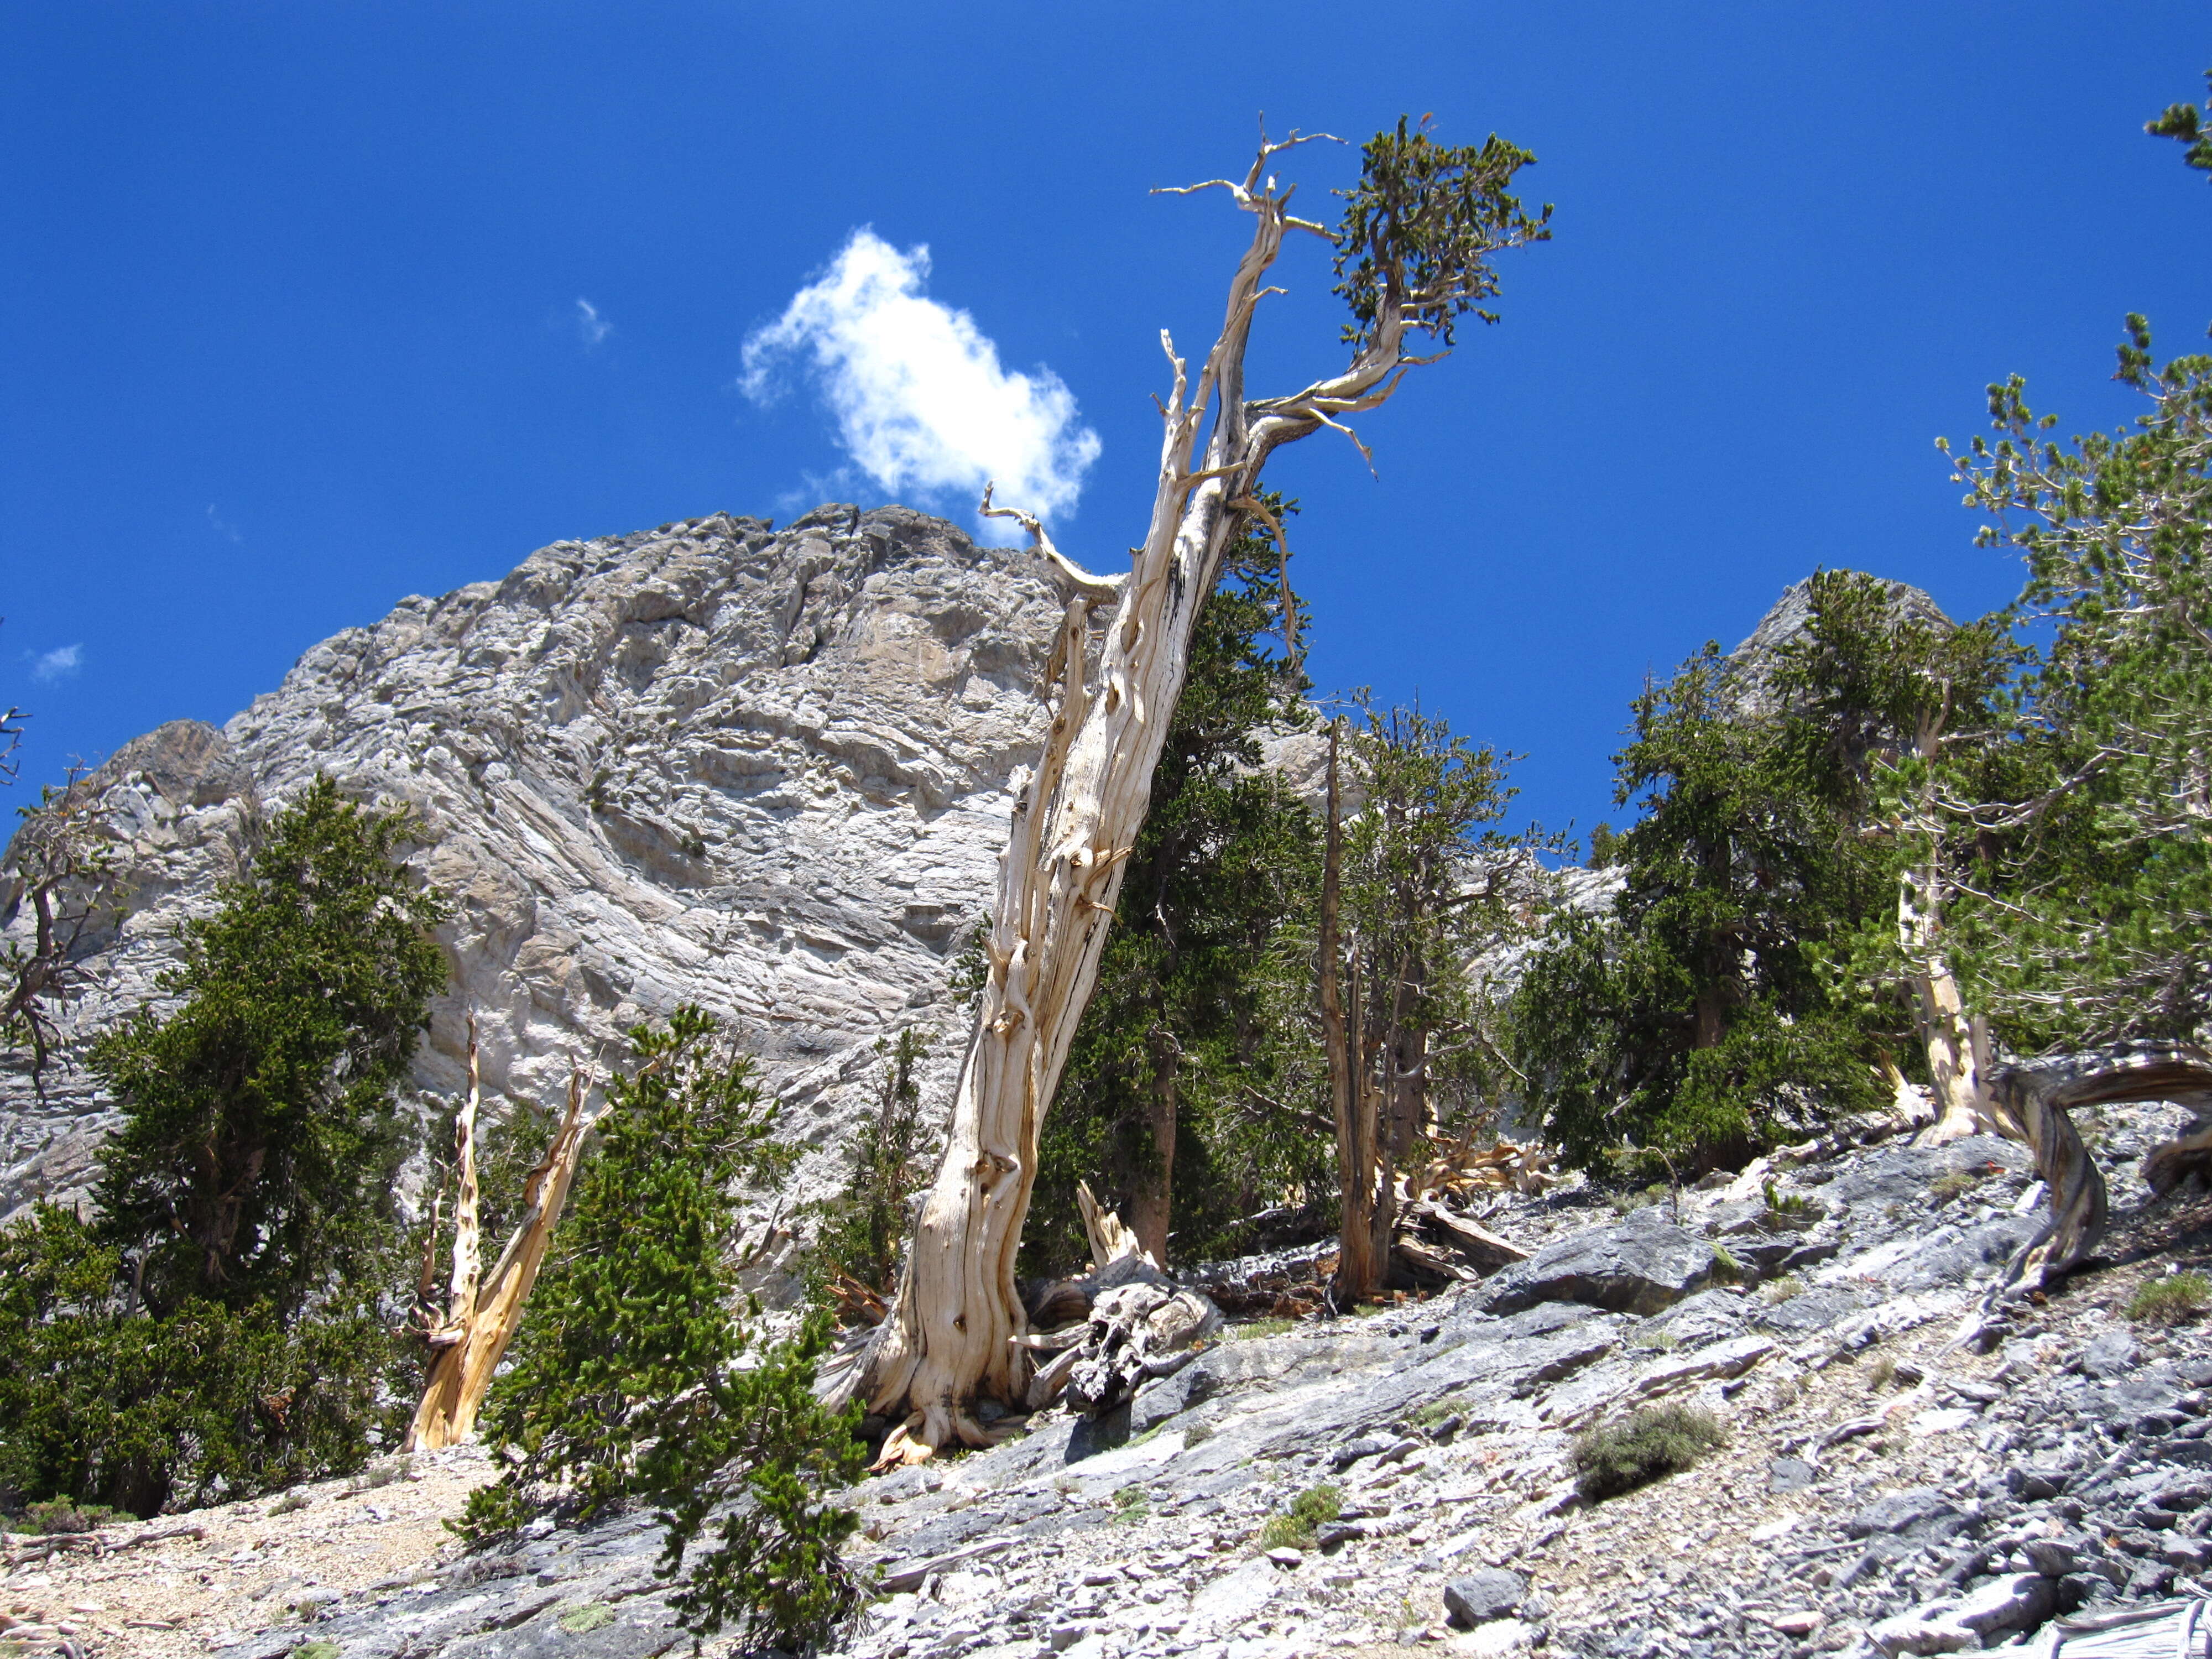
[1659, 1440]
[2169, 1300]
[1294, 1527]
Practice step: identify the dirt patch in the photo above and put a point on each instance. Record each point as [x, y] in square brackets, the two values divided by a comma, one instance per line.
[255, 1565]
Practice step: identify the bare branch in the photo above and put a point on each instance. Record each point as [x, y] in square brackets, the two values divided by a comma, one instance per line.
[1092, 587]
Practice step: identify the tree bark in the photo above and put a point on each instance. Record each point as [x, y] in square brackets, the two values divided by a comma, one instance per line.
[1956, 1043]
[1151, 1202]
[1358, 1265]
[953, 1336]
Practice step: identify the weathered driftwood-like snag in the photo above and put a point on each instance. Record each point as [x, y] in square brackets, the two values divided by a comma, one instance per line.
[2039, 1096]
[484, 1311]
[1413, 254]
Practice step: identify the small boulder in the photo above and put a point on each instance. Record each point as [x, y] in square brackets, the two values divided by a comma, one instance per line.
[1789, 1475]
[1489, 1593]
[2110, 1355]
[1899, 1512]
[1636, 1267]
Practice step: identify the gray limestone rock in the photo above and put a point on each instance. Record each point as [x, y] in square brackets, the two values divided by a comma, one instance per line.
[767, 772]
[1490, 1593]
[1632, 1268]
[1898, 1511]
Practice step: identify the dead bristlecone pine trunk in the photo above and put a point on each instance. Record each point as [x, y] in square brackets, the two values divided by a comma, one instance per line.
[1412, 255]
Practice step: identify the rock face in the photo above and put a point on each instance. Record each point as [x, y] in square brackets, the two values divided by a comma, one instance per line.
[769, 771]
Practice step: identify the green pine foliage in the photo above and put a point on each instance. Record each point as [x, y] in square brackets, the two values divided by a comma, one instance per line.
[257, 1155]
[219, 1329]
[1428, 881]
[639, 1376]
[2091, 926]
[1199, 1014]
[864, 1229]
[102, 1403]
[1706, 1019]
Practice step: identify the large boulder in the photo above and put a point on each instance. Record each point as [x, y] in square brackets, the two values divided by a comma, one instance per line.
[1638, 1267]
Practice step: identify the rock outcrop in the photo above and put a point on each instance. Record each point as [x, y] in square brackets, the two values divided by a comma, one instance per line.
[767, 771]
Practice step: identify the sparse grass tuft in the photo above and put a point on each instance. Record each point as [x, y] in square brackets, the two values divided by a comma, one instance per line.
[1254, 1329]
[2169, 1300]
[1946, 1187]
[1292, 1529]
[1664, 1340]
[1433, 1413]
[1781, 1203]
[1659, 1440]
[1883, 1373]
[1727, 1270]
[1132, 1498]
[1782, 1290]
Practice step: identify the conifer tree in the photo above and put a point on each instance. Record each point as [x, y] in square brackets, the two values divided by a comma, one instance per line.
[856, 1248]
[260, 1135]
[218, 1330]
[639, 1375]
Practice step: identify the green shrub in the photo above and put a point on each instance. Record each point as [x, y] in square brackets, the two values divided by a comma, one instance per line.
[2169, 1300]
[101, 1405]
[57, 1515]
[864, 1228]
[1945, 1188]
[1727, 1270]
[1779, 1203]
[1294, 1527]
[638, 1378]
[1658, 1440]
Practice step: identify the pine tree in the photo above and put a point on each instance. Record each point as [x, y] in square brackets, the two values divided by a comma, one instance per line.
[260, 1137]
[218, 1330]
[639, 1376]
[1693, 1026]
[863, 1229]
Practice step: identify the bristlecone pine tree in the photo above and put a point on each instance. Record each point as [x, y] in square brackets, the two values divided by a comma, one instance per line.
[638, 1374]
[217, 1329]
[1413, 257]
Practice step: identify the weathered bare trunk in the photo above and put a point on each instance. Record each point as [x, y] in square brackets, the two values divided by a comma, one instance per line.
[1955, 1043]
[1151, 1203]
[1359, 1266]
[954, 1334]
[485, 1311]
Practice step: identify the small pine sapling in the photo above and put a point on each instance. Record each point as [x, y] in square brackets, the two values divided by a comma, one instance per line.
[641, 1377]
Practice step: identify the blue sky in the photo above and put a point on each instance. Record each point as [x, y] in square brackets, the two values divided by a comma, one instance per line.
[305, 308]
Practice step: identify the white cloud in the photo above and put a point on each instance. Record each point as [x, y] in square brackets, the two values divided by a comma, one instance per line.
[58, 665]
[921, 401]
[591, 327]
[222, 527]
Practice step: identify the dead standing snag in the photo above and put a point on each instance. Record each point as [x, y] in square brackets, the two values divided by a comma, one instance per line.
[1413, 256]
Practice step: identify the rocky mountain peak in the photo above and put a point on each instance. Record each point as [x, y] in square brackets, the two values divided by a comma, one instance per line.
[764, 770]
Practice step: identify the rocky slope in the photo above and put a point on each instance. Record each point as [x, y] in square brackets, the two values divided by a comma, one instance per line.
[1881, 1488]
[767, 771]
